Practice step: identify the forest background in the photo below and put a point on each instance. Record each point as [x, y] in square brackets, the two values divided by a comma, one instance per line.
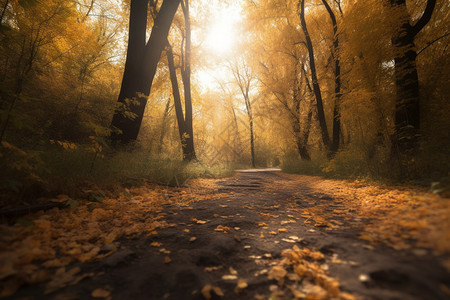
[353, 89]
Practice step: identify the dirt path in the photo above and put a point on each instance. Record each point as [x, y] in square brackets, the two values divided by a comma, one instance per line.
[241, 237]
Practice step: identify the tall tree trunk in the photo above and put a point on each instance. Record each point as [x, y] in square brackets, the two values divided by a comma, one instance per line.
[315, 82]
[177, 100]
[337, 82]
[184, 120]
[244, 81]
[407, 105]
[189, 153]
[140, 67]
[299, 139]
[252, 139]
[248, 105]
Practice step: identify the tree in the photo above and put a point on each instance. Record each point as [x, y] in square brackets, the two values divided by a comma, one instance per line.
[29, 34]
[315, 81]
[140, 67]
[244, 77]
[407, 104]
[184, 120]
[337, 81]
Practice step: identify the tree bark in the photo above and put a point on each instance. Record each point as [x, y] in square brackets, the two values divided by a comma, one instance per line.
[299, 139]
[189, 150]
[184, 120]
[337, 83]
[407, 105]
[315, 82]
[244, 81]
[140, 67]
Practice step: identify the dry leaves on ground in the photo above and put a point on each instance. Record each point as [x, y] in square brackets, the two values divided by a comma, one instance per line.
[41, 246]
[401, 217]
[301, 272]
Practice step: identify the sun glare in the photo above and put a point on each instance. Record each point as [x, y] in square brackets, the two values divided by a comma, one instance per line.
[222, 35]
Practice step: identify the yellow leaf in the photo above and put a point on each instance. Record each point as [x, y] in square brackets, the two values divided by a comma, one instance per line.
[222, 228]
[282, 230]
[278, 273]
[229, 277]
[262, 224]
[206, 291]
[100, 293]
[241, 285]
[167, 260]
[155, 244]
[317, 255]
[218, 291]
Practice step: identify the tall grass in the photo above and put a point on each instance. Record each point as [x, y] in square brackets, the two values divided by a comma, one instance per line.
[55, 170]
[427, 167]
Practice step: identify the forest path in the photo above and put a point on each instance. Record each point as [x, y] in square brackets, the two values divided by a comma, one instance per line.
[240, 236]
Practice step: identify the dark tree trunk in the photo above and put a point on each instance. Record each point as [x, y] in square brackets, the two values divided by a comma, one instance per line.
[315, 82]
[407, 105]
[189, 150]
[177, 100]
[337, 83]
[252, 141]
[140, 67]
[184, 120]
[299, 139]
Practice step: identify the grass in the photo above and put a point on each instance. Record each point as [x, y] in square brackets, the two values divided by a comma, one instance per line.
[428, 169]
[57, 170]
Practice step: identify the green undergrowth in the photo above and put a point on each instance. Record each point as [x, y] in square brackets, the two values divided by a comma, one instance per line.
[28, 175]
[427, 169]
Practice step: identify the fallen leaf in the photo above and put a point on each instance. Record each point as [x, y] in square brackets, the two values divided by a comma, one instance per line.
[282, 230]
[232, 271]
[241, 285]
[100, 293]
[222, 228]
[218, 291]
[278, 273]
[155, 244]
[206, 291]
[297, 294]
[210, 269]
[192, 239]
[363, 277]
[167, 260]
[316, 255]
[229, 277]
[288, 241]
